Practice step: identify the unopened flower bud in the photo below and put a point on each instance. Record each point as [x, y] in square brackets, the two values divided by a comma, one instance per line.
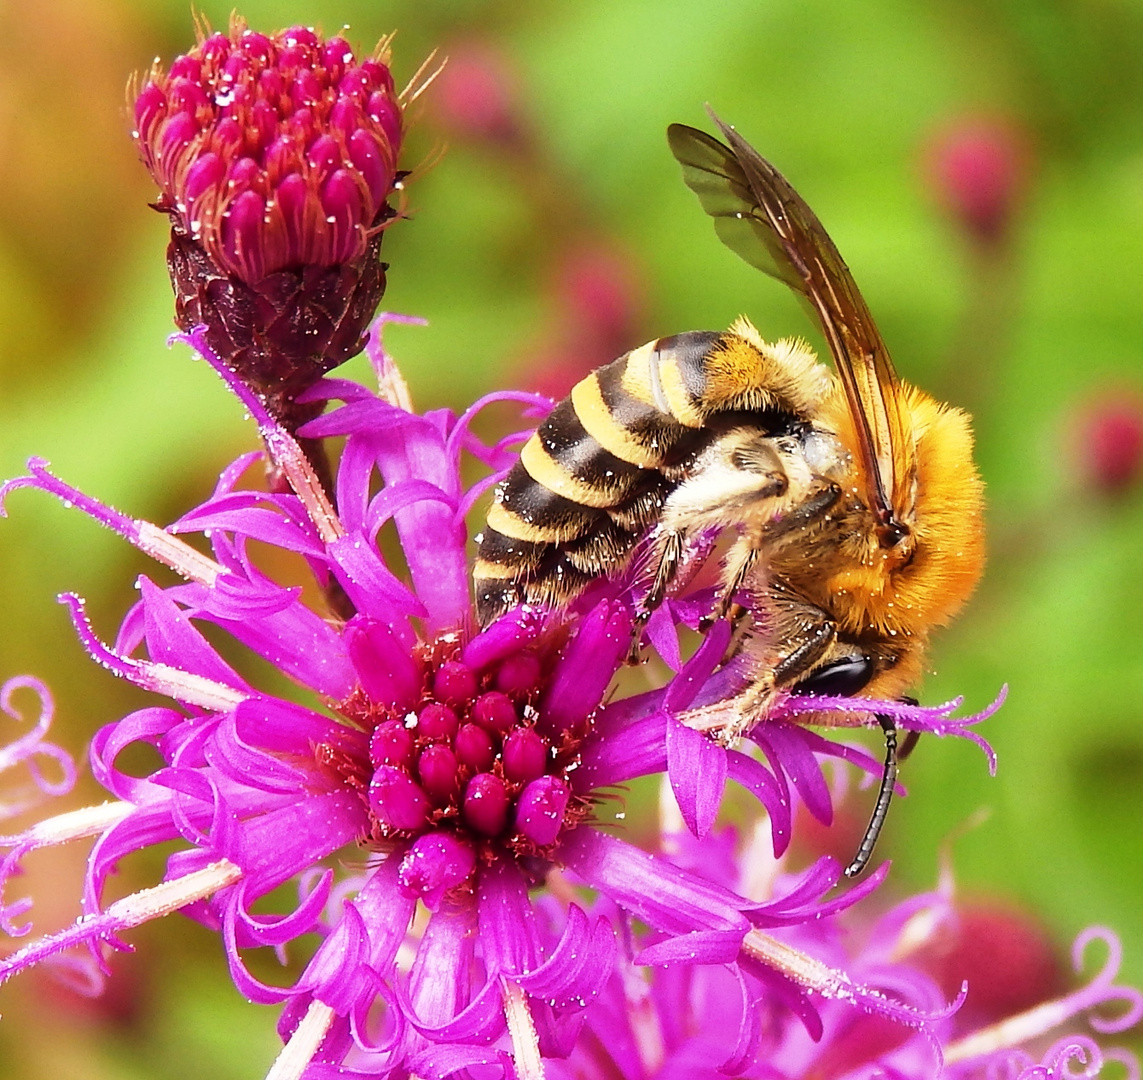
[275, 156]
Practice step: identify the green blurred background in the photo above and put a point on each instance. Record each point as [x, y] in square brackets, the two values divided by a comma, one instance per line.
[554, 234]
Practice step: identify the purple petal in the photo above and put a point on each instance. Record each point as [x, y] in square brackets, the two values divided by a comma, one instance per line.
[42, 479]
[273, 847]
[369, 583]
[288, 729]
[281, 727]
[255, 524]
[578, 967]
[587, 667]
[695, 947]
[786, 749]
[697, 768]
[770, 789]
[293, 638]
[507, 635]
[441, 1004]
[618, 753]
[338, 974]
[662, 895]
[506, 919]
[387, 912]
[935, 718]
[683, 689]
[664, 637]
[171, 639]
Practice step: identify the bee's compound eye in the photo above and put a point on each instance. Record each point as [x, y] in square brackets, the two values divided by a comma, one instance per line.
[842, 678]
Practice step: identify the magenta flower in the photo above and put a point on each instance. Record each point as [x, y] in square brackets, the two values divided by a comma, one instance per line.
[646, 1030]
[461, 769]
[1108, 441]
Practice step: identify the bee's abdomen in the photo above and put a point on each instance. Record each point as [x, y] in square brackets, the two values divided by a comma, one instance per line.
[589, 482]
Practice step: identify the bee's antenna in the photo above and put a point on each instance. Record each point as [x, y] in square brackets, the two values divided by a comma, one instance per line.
[884, 797]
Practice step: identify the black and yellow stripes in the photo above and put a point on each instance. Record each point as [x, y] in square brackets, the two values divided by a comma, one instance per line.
[593, 479]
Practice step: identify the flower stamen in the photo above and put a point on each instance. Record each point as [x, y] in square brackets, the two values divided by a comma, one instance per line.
[797, 966]
[525, 1041]
[159, 678]
[1041, 1019]
[131, 911]
[296, 1055]
[74, 825]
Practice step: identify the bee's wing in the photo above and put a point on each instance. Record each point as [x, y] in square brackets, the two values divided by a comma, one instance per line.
[764, 220]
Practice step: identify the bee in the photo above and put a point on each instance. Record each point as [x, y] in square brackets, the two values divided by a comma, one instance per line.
[857, 506]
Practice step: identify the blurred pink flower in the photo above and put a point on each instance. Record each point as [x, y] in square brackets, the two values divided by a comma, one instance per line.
[476, 94]
[1109, 441]
[978, 167]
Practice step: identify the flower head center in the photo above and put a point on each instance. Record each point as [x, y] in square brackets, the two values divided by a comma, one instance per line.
[467, 759]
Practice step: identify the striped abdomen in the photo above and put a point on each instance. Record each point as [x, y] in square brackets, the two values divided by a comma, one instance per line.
[593, 479]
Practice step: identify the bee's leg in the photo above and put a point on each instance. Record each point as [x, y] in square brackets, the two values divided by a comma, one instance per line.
[884, 797]
[813, 647]
[738, 564]
[670, 555]
[745, 552]
[812, 509]
[754, 702]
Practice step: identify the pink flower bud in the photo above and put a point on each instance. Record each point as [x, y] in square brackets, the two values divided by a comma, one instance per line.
[437, 770]
[1006, 957]
[525, 755]
[437, 722]
[474, 747]
[391, 744]
[454, 683]
[435, 863]
[494, 712]
[475, 96]
[396, 799]
[540, 809]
